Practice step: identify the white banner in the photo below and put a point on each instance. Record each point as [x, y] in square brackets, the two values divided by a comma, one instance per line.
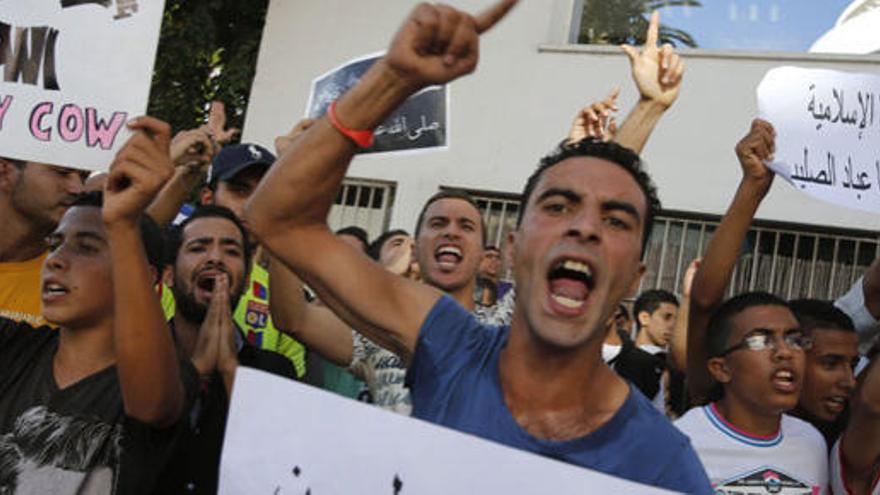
[286, 438]
[73, 73]
[827, 133]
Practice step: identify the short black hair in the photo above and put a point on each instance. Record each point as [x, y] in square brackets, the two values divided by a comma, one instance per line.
[175, 233]
[817, 313]
[375, 249]
[720, 323]
[151, 234]
[451, 194]
[356, 232]
[650, 300]
[610, 151]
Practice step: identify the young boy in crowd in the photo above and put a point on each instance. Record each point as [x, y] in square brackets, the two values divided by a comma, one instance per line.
[656, 314]
[93, 407]
[753, 349]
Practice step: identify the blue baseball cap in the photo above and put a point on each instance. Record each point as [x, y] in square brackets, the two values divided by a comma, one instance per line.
[233, 159]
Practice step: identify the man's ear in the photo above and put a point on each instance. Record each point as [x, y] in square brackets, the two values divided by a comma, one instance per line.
[206, 195]
[637, 280]
[644, 318]
[9, 175]
[509, 248]
[719, 370]
[168, 276]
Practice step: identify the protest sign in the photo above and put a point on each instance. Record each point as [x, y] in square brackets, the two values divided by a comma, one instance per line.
[286, 438]
[74, 71]
[419, 123]
[826, 133]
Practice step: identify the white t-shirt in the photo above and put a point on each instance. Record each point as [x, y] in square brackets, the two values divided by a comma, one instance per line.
[791, 462]
[838, 487]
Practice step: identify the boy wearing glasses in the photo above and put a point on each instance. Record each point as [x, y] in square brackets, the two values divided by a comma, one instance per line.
[746, 360]
[743, 439]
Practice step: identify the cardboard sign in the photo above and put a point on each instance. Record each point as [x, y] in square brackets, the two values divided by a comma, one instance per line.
[74, 72]
[827, 133]
[419, 124]
[283, 437]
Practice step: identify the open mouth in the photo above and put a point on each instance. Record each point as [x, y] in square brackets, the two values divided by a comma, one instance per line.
[784, 380]
[570, 283]
[836, 403]
[205, 283]
[52, 291]
[448, 257]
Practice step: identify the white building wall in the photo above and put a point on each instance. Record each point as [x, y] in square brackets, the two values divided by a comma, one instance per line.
[521, 100]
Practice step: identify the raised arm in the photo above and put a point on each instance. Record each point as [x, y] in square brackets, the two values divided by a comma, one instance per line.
[149, 376]
[316, 327]
[678, 344]
[191, 152]
[861, 441]
[715, 270]
[657, 73]
[435, 45]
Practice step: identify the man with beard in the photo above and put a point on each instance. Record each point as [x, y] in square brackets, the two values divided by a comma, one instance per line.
[209, 255]
[540, 384]
[33, 197]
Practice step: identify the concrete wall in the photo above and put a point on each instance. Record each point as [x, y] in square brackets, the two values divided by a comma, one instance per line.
[521, 100]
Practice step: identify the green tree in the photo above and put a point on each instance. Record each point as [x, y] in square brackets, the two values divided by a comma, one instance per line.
[614, 22]
[207, 50]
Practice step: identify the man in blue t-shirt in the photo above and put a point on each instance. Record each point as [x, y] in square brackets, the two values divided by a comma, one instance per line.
[539, 384]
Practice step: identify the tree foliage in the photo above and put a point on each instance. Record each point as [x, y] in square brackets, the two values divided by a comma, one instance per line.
[626, 21]
[207, 50]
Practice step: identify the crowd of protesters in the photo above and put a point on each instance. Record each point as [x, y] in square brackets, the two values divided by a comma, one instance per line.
[124, 312]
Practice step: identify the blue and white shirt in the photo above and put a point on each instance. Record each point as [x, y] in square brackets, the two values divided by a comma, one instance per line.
[793, 461]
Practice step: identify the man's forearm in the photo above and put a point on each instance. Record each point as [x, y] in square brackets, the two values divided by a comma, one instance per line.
[146, 361]
[639, 124]
[173, 195]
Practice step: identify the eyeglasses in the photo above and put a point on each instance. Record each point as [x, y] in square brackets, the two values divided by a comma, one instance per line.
[764, 338]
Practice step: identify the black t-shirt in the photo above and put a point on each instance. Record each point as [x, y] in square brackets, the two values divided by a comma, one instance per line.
[195, 463]
[72, 440]
[639, 367]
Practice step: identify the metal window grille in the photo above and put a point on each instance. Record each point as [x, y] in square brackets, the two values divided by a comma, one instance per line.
[364, 203]
[792, 261]
[789, 260]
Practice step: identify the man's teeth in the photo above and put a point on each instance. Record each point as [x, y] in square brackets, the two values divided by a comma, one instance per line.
[577, 266]
[449, 250]
[784, 375]
[55, 289]
[567, 302]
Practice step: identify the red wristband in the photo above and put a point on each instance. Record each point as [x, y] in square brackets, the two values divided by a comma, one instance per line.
[363, 139]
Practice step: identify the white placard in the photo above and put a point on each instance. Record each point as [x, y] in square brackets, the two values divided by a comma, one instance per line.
[73, 73]
[827, 133]
[285, 438]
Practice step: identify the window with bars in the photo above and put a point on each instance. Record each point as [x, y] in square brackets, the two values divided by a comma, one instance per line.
[364, 203]
[789, 260]
[792, 261]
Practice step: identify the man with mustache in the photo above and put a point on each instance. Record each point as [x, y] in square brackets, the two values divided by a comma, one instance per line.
[210, 253]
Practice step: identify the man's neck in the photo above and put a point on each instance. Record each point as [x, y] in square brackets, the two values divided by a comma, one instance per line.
[747, 419]
[20, 240]
[643, 338]
[186, 334]
[83, 352]
[613, 338]
[556, 394]
[465, 296]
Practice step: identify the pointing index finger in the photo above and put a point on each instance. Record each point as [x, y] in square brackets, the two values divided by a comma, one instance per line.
[489, 17]
[653, 30]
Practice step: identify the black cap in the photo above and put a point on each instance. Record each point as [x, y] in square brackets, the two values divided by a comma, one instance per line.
[233, 159]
